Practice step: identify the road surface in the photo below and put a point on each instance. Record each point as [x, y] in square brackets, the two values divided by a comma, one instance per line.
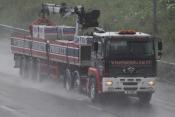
[29, 98]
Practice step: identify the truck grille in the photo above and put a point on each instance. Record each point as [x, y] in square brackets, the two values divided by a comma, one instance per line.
[140, 71]
[130, 88]
[130, 83]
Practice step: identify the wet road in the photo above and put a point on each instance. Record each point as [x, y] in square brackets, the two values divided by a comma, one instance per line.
[28, 98]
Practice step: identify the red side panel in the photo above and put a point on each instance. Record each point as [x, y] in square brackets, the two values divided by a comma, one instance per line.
[60, 50]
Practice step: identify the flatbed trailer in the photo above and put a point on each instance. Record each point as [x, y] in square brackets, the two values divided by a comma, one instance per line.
[102, 63]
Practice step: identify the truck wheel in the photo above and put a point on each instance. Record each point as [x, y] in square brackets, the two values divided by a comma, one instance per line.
[38, 74]
[23, 68]
[68, 80]
[31, 69]
[77, 82]
[27, 67]
[93, 94]
[145, 97]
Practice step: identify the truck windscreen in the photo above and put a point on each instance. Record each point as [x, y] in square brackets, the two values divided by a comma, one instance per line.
[126, 48]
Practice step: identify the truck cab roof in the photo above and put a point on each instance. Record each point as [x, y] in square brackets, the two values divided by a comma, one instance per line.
[119, 35]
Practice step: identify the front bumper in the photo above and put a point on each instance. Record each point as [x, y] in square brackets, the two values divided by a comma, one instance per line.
[130, 85]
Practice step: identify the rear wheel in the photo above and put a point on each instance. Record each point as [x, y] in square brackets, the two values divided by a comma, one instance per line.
[77, 81]
[68, 80]
[23, 67]
[145, 97]
[31, 68]
[36, 73]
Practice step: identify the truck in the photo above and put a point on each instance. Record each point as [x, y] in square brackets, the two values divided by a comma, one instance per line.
[99, 63]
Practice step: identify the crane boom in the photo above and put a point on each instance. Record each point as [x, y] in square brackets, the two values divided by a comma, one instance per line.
[85, 18]
[63, 9]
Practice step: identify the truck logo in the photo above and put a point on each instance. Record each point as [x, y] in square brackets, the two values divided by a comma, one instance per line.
[130, 69]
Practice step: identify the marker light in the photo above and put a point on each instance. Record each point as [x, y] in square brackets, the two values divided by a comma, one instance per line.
[127, 32]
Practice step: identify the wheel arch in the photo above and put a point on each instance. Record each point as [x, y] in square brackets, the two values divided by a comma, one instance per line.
[94, 72]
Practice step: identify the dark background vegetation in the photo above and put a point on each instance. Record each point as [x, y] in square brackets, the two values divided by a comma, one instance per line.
[115, 15]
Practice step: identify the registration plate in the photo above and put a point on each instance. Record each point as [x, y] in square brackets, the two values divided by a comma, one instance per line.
[130, 92]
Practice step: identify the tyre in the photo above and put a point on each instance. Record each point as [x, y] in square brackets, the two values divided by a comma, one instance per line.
[145, 97]
[23, 68]
[68, 80]
[36, 73]
[32, 67]
[77, 82]
[27, 67]
[93, 94]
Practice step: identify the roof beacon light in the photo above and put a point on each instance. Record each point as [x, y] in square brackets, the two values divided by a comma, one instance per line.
[127, 32]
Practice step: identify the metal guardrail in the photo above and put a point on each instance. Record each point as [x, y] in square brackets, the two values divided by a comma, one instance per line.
[166, 62]
[166, 71]
[14, 30]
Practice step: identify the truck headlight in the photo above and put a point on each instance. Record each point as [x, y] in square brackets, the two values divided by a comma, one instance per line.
[151, 82]
[109, 83]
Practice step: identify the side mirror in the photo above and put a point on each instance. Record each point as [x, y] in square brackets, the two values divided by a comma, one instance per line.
[159, 45]
[159, 53]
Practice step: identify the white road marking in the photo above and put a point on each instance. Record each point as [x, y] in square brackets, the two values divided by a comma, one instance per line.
[79, 99]
[166, 104]
[7, 108]
[13, 111]
[95, 107]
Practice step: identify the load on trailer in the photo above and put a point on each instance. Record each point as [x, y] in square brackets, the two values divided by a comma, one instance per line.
[122, 62]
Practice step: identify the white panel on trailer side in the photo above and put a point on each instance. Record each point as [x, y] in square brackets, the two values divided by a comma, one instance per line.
[53, 32]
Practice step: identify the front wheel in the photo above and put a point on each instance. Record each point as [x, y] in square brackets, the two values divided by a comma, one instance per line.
[145, 97]
[93, 94]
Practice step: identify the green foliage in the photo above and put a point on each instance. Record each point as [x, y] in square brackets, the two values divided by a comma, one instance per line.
[115, 15]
